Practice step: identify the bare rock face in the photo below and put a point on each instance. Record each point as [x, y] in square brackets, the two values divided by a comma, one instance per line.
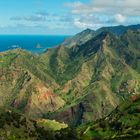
[40, 100]
[43, 101]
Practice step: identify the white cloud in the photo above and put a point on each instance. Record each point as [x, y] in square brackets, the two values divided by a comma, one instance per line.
[80, 24]
[42, 19]
[87, 22]
[126, 7]
[75, 4]
[120, 18]
[99, 13]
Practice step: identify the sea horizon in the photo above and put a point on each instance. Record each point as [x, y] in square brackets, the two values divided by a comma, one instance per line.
[35, 35]
[33, 43]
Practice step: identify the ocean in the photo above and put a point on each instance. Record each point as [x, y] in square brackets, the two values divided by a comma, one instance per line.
[33, 43]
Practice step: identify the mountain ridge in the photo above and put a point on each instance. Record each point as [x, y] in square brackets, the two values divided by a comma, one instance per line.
[88, 34]
[76, 84]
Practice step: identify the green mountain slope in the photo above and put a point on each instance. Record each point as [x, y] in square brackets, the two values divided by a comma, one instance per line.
[118, 30]
[92, 78]
[96, 79]
[122, 123]
[88, 34]
[14, 126]
[79, 38]
[25, 84]
[75, 85]
[129, 48]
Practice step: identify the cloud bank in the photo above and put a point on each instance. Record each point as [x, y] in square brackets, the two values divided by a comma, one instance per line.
[99, 13]
[77, 15]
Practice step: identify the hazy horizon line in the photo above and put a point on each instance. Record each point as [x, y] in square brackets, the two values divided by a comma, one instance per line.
[38, 34]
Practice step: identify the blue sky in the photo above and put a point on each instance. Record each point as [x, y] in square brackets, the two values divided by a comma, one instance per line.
[65, 16]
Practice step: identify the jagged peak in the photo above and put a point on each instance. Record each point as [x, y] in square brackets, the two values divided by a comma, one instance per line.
[88, 30]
